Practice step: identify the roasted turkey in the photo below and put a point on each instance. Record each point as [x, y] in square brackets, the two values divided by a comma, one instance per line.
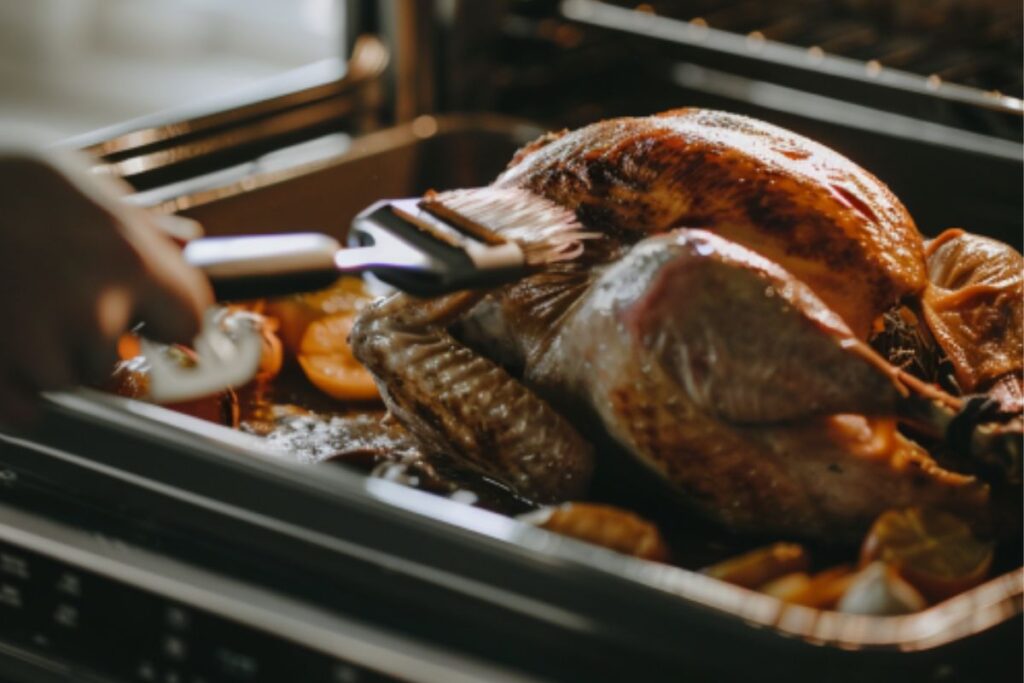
[715, 332]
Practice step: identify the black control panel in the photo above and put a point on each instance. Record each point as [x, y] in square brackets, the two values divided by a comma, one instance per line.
[95, 625]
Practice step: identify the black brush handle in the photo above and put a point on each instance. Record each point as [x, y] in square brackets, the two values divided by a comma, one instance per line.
[416, 260]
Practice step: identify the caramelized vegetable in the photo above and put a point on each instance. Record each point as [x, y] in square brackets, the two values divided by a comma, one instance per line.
[822, 590]
[295, 313]
[130, 379]
[606, 526]
[760, 566]
[788, 588]
[933, 551]
[327, 360]
[315, 328]
[129, 346]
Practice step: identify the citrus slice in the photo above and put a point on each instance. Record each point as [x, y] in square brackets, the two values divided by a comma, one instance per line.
[296, 313]
[935, 552]
[327, 360]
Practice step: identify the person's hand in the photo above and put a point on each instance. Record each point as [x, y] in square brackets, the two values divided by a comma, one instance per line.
[77, 268]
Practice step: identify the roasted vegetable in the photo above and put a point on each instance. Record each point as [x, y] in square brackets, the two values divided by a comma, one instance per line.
[934, 551]
[760, 566]
[603, 525]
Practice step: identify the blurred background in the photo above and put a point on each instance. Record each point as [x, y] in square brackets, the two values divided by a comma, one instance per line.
[897, 85]
[71, 66]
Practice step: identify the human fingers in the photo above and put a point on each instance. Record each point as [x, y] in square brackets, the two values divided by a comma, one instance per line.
[44, 359]
[180, 229]
[171, 304]
[96, 359]
[173, 295]
[98, 334]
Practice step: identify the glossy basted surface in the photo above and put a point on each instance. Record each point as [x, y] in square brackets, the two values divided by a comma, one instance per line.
[829, 222]
[729, 361]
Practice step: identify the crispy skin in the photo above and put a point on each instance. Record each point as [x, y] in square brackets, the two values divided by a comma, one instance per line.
[975, 310]
[829, 222]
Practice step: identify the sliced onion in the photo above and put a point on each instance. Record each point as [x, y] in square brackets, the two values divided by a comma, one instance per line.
[227, 352]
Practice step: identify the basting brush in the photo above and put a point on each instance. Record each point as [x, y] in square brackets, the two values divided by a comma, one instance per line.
[443, 242]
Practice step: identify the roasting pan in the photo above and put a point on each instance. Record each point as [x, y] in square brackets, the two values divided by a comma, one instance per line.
[318, 573]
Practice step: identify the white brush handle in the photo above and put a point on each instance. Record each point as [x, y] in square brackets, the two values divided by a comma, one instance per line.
[265, 265]
[255, 255]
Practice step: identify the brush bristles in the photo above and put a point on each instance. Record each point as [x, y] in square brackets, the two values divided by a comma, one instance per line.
[544, 230]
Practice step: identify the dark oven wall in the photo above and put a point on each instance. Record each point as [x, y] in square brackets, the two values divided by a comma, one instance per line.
[951, 162]
[408, 160]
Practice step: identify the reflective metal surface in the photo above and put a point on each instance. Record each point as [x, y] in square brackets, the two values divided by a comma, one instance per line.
[309, 102]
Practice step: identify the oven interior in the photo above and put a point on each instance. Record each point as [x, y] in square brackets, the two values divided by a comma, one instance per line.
[413, 570]
[206, 495]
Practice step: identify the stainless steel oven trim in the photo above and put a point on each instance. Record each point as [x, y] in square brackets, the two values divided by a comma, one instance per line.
[272, 613]
[228, 183]
[314, 82]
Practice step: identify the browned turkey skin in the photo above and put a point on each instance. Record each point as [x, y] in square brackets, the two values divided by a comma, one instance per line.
[817, 214]
[975, 311]
[729, 359]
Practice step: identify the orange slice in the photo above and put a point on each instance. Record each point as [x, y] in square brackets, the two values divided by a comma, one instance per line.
[327, 360]
[296, 313]
[933, 551]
